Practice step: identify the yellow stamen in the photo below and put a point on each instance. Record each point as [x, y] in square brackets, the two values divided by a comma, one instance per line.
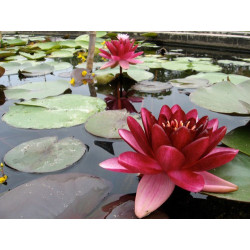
[176, 123]
[1, 165]
[181, 123]
[84, 73]
[84, 82]
[93, 74]
[72, 82]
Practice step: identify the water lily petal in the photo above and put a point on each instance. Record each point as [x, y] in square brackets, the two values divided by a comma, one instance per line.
[217, 185]
[128, 137]
[214, 123]
[166, 111]
[187, 180]
[124, 64]
[109, 64]
[148, 120]
[179, 115]
[139, 135]
[113, 165]
[215, 138]
[192, 114]
[175, 108]
[134, 61]
[181, 137]
[159, 137]
[170, 158]
[216, 158]
[139, 163]
[195, 149]
[152, 192]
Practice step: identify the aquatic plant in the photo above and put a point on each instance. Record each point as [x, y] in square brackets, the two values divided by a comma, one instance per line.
[122, 52]
[175, 149]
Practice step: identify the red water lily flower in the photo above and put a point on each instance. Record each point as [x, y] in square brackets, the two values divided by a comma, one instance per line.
[177, 149]
[122, 52]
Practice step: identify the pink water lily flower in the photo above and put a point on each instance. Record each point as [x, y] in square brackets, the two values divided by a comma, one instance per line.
[121, 52]
[177, 149]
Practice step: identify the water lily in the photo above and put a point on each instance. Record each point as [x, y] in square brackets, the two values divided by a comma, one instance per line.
[121, 52]
[175, 149]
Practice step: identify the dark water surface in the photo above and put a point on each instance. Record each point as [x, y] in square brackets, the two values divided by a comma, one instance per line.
[181, 204]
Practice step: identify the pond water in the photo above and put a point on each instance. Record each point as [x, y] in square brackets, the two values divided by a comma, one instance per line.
[181, 204]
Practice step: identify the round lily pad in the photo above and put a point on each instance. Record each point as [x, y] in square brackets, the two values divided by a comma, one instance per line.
[33, 56]
[16, 42]
[37, 70]
[48, 45]
[45, 154]
[60, 65]
[4, 54]
[239, 138]
[53, 112]
[62, 196]
[224, 97]
[189, 83]
[12, 68]
[63, 53]
[15, 58]
[220, 77]
[151, 86]
[39, 90]
[106, 123]
[236, 171]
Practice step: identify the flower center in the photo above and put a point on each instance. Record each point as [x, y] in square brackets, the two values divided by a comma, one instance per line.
[174, 124]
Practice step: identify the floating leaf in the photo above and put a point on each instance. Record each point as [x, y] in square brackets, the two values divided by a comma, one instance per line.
[224, 97]
[62, 196]
[101, 33]
[48, 45]
[190, 83]
[45, 154]
[238, 138]
[39, 90]
[53, 112]
[151, 86]
[15, 58]
[235, 63]
[16, 42]
[63, 53]
[236, 171]
[12, 68]
[106, 123]
[68, 43]
[37, 38]
[84, 37]
[37, 70]
[33, 56]
[220, 77]
[59, 65]
[4, 54]
[192, 59]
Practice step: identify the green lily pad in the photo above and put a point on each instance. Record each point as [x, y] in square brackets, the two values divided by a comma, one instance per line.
[39, 90]
[61, 54]
[135, 73]
[12, 68]
[48, 45]
[175, 65]
[62, 196]
[96, 65]
[84, 37]
[104, 79]
[83, 44]
[15, 58]
[220, 77]
[37, 70]
[59, 65]
[33, 56]
[37, 38]
[101, 33]
[106, 123]
[238, 138]
[151, 86]
[53, 112]
[246, 59]
[224, 97]
[192, 59]
[16, 42]
[235, 63]
[6, 53]
[236, 171]
[68, 43]
[43, 155]
[190, 83]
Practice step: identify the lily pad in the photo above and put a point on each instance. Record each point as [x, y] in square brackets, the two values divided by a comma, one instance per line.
[239, 138]
[151, 86]
[53, 112]
[37, 38]
[12, 68]
[45, 154]
[236, 171]
[189, 83]
[33, 56]
[101, 33]
[59, 65]
[224, 97]
[220, 77]
[62, 196]
[135, 73]
[106, 123]
[15, 58]
[193, 59]
[4, 54]
[235, 63]
[68, 43]
[61, 54]
[39, 90]
[16, 42]
[37, 70]
[48, 45]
